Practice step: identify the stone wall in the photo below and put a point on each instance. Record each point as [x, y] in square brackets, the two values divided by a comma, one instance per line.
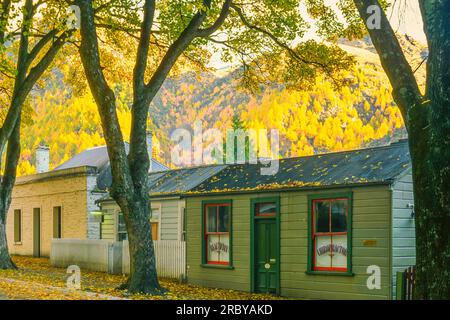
[64, 188]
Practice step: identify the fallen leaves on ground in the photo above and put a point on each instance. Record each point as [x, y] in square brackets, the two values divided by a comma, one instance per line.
[42, 281]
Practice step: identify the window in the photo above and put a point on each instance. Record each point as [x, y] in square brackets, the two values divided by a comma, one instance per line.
[216, 241]
[154, 221]
[57, 224]
[121, 228]
[155, 230]
[330, 241]
[17, 225]
[265, 209]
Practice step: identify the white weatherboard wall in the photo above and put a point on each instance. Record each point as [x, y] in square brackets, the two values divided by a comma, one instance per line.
[171, 219]
[403, 228]
[170, 258]
[171, 222]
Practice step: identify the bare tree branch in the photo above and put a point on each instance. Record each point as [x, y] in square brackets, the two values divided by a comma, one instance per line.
[143, 48]
[104, 97]
[4, 17]
[23, 88]
[12, 159]
[40, 45]
[219, 22]
[14, 110]
[172, 54]
[290, 51]
[406, 92]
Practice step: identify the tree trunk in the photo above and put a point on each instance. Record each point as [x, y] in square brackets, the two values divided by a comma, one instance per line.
[130, 172]
[5, 259]
[6, 186]
[40, 57]
[427, 119]
[130, 194]
[429, 133]
[432, 217]
[143, 276]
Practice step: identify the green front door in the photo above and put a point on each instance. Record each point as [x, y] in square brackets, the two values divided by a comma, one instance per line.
[266, 252]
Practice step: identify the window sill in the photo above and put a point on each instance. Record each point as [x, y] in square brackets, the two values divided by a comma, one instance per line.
[18, 243]
[217, 266]
[331, 273]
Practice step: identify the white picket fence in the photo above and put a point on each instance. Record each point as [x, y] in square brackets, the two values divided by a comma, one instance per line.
[170, 258]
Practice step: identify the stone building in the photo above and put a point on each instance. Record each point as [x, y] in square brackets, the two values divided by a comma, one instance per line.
[60, 203]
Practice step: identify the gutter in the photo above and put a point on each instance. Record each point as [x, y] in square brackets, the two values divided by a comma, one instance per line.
[57, 174]
[292, 189]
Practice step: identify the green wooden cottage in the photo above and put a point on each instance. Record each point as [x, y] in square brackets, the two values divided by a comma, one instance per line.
[330, 226]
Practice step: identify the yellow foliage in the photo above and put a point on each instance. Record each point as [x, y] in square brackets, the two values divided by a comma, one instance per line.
[36, 279]
[67, 126]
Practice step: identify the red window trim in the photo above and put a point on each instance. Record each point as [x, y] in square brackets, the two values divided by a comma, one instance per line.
[331, 234]
[217, 205]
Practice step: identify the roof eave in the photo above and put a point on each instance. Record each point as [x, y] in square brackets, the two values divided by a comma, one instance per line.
[291, 189]
[56, 174]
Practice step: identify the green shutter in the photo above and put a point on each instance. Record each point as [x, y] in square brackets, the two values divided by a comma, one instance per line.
[17, 226]
[56, 222]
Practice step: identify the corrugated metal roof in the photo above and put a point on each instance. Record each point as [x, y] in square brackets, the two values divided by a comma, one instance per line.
[180, 180]
[372, 165]
[94, 157]
[98, 157]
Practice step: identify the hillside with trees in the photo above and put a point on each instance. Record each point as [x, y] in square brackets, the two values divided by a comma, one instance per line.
[317, 119]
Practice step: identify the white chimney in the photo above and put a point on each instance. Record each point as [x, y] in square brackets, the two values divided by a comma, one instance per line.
[149, 139]
[42, 159]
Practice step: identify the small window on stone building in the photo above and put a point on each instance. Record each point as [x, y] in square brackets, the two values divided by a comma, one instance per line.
[17, 225]
[57, 223]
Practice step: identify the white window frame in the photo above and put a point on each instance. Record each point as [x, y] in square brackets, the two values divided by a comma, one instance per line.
[157, 206]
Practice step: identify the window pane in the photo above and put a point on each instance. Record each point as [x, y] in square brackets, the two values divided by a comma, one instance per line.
[224, 216]
[218, 248]
[339, 216]
[266, 208]
[211, 216]
[57, 222]
[17, 226]
[323, 251]
[154, 214]
[155, 231]
[322, 216]
[121, 223]
[122, 236]
[339, 259]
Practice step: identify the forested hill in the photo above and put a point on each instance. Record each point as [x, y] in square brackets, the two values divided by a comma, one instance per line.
[312, 121]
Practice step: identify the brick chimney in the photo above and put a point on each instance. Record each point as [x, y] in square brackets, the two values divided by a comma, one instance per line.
[42, 158]
[149, 139]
